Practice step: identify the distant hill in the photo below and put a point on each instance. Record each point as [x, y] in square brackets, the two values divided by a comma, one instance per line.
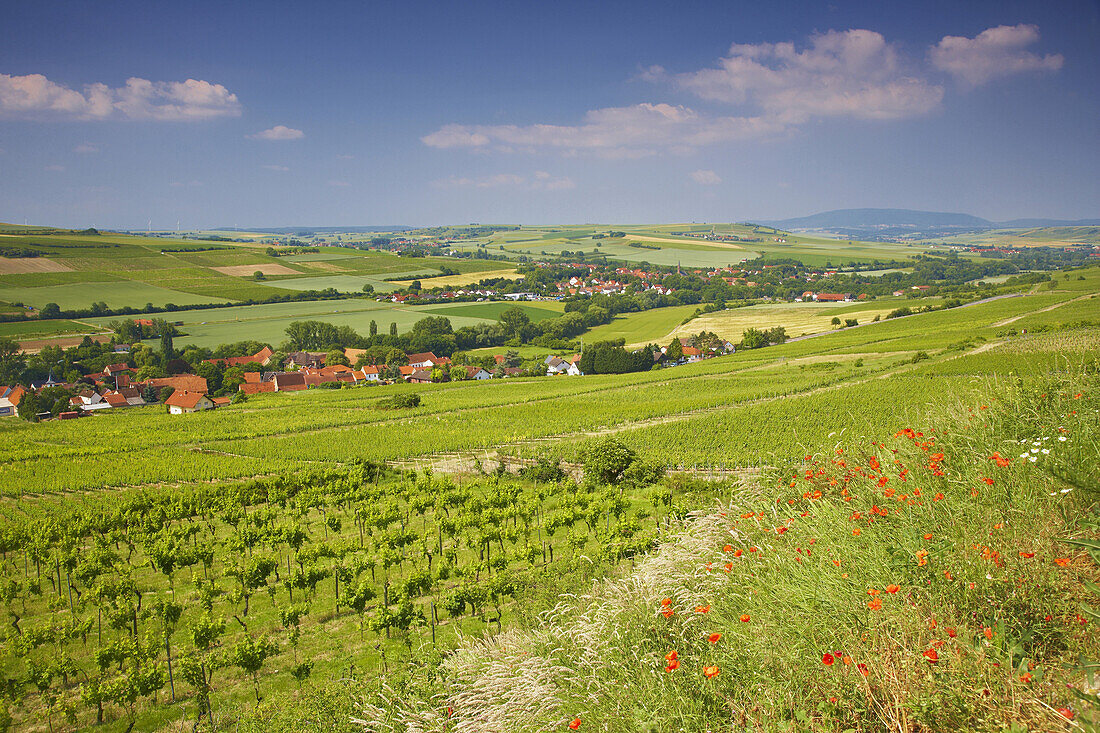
[315, 230]
[870, 218]
[901, 224]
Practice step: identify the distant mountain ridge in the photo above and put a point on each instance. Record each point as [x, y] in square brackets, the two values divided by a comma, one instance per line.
[913, 219]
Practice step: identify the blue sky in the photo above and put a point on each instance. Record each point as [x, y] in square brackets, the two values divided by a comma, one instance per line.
[352, 113]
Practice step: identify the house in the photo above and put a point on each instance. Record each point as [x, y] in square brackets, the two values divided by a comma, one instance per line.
[473, 372]
[420, 377]
[832, 297]
[184, 402]
[114, 399]
[221, 401]
[256, 387]
[253, 377]
[367, 374]
[89, 400]
[290, 382]
[112, 370]
[427, 359]
[132, 395]
[178, 382]
[555, 365]
[302, 359]
[406, 371]
[261, 357]
[513, 371]
[9, 400]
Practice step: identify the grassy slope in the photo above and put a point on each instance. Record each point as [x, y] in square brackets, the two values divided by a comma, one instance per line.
[797, 606]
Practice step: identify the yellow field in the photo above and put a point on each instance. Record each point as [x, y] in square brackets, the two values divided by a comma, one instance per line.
[667, 240]
[247, 270]
[798, 318]
[14, 265]
[448, 281]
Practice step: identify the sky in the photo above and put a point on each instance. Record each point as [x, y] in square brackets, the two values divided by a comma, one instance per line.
[216, 114]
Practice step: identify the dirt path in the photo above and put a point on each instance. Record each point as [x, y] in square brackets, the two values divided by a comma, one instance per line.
[474, 461]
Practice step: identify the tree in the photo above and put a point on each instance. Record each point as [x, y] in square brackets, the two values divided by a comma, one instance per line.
[258, 276]
[336, 356]
[373, 328]
[835, 321]
[675, 350]
[753, 339]
[50, 310]
[606, 460]
[368, 289]
[393, 328]
[515, 320]
[12, 361]
[166, 345]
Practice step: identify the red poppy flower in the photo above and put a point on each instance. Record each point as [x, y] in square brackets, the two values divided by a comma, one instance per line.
[892, 588]
[727, 548]
[702, 609]
[874, 604]
[575, 724]
[673, 665]
[713, 638]
[711, 671]
[988, 632]
[666, 602]
[863, 669]
[728, 566]
[672, 656]
[1061, 561]
[951, 633]
[1027, 554]
[987, 480]
[668, 613]
[738, 553]
[932, 656]
[1066, 713]
[827, 659]
[744, 618]
[832, 700]
[1026, 678]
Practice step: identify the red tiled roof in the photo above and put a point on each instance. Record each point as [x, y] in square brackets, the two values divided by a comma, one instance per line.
[185, 399]
[180, 382]
[254, 387]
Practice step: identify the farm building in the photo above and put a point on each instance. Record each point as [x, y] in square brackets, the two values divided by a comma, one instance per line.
[181, 403]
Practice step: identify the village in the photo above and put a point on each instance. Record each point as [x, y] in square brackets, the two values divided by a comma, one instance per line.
[118, 385]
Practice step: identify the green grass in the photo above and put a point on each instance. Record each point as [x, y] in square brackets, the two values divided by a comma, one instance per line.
[114, 294]
[646, 327]
[38, 329]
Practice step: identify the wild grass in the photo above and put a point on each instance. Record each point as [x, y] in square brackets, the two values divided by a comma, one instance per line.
[912, 583]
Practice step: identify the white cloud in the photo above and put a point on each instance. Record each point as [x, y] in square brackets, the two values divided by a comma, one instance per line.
[995, 52]
[35, 97]
[54, 168]
[853, 73]
[612, 132]
[280, 168]
[279, 132]
[86, 148]
[705, 177]
[539, 181]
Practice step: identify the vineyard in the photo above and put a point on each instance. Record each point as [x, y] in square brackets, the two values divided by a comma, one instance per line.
[158, 571]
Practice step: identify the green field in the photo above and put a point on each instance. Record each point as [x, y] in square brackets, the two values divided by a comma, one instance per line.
[268, 322]
[40, 329]
[114, 294]
[247, 512]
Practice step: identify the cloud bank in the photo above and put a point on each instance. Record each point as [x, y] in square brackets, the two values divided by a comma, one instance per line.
[705, 177]
[539, 181]
[35, 97]
[993, 53]
[279, 132]
[774, 88]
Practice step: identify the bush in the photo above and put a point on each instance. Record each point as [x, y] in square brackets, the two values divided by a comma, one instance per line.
[399, 402]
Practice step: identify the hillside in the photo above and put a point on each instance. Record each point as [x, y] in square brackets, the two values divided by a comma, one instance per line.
[327, 540]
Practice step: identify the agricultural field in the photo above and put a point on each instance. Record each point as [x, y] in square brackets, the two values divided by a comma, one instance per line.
[268, 322]
[1032, 237]
[72, 269]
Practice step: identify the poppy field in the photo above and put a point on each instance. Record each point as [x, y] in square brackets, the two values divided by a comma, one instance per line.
[938, 577]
